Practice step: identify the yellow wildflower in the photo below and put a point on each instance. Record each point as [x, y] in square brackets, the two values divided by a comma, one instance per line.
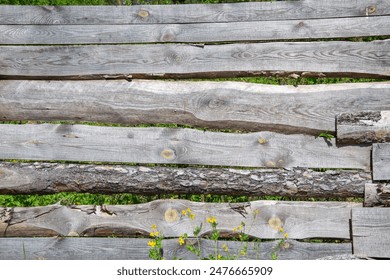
[243, 252]
[181, 240]
[219, 257]
[234, 229]
[152, 243]
[286, 235]
[184, 212]
[154, 227]
[225, 247]
[192, 216]
[281, 229]
[188, 210]
[154, 234]
[212, 220]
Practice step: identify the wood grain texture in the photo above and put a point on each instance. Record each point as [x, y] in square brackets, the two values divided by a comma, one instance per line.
[377, 195]
[359, 59]
[263, 219]
[179, 146]
[49, 178]
[381, 161]
[363, 128]
[195, 33]
[137, 249]
[221, 105]
[236, 12]
[370, 229]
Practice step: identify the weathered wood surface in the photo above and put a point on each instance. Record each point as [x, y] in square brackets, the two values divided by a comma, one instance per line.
[370, 229]
[381, 161]
[377, 195]
[236, 12]
[221, 105]
[363, 127]
[179, 146]
[263, 219]
[194, 33]
[136, 249]
[48, 178]
[359, 59]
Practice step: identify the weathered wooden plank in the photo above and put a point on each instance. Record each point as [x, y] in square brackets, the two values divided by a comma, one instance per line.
[180, 146]
[360, 59]
[263, 219]
[381, 161]
[48, 178]
[192, 13]
[376, 195]
[370, 229]
[137, 249]
[363, 127]
[201, 32]
[222, 105]
[290, 250]
[60, 248]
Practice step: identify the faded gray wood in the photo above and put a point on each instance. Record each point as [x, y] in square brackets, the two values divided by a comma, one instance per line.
[370, 229]
[290, 250]
[201, 32]
[263, 219]
[221, 105]
[363, 127]
[179, 146]
[368, 59]
[381, 161]
[137, 249]
[236, 12]
[377, 195]
[59, 248]
[48, 178]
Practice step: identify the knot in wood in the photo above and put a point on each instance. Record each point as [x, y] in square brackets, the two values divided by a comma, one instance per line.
[301, 24]
[171, 215]
[275, 223]
[262, 141]
[168, 36]
[168, 154]
[370, 9]
[143, 14]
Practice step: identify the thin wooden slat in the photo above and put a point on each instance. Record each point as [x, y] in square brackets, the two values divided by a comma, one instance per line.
[137, 249]
[370, 229]
[359, 59]
[376, 195]
[363, 127]
[236, 12]
[381, 161]
[180, 146]
[48, 178]
[222, 105]
[263, 219]
[202, 32]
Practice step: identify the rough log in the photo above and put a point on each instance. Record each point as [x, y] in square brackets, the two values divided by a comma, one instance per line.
[377, 195]
[363, 127]
[381, 161]
[48, 178]
[263, 219]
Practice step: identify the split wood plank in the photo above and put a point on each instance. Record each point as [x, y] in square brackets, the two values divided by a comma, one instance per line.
[228, 12]
[377, 195]
[49, 178]
[178, 146]
[137, 249]
[358, 59]
[221, 105]
[263, 219]
[370, 229]
[381, 161]
[363, 127]
[194, 33]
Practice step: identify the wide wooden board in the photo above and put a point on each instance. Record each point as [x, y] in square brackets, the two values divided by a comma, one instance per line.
[222, 105]
[47, 178]
[195, 33]
[236, 12]
[179, 146]
[359, 59]
[381, 161]
[370, 229]
[263, 219]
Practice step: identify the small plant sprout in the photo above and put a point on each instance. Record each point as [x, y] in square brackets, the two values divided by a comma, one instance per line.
[326, 135]
[155, 250]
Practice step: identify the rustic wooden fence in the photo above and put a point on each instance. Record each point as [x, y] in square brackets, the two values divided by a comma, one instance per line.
[85, 64]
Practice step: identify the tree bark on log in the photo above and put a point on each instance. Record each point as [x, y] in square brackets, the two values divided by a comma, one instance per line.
[377, 195]
[49, 178]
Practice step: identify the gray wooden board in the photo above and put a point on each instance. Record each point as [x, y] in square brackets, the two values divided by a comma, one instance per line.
[201, 32]
[48, 178]
[180, 146]
[370, 229]
[137, 249]
[381, 161]
[363, 127]
[263, 219]
[222, 105]
[360, 59]
[235, 12]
